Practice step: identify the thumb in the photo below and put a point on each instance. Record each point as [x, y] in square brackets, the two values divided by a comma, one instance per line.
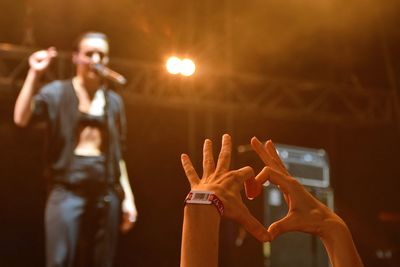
[284, 225]
[254, 227]
[253, 186]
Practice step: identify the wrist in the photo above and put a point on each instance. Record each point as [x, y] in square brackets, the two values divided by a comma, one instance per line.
[205, 197]
[333, 228]
[200, 235]
[35, 73]
[206, 214]
[34, 76]
[128, 196]
[339, 243]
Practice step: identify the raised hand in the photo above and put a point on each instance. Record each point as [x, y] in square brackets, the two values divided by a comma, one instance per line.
[226, 184]
[306, 213]
[40, 60]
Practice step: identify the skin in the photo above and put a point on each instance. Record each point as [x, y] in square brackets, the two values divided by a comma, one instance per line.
[86, 83]
[201, 222]
[38, 62]
[306, 213]
[92, 50]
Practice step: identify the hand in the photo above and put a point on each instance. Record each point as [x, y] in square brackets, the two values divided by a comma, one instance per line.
[40, 60]
[306, 213]
[129, 215]
[226, 184]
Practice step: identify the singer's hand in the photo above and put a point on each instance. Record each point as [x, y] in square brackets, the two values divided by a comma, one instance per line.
[40, 60]
[129, 215]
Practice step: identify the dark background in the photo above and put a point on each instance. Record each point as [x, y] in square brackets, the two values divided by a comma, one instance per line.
[331, 41]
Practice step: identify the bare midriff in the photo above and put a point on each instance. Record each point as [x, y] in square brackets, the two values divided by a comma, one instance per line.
[89, 142]
[89, 137]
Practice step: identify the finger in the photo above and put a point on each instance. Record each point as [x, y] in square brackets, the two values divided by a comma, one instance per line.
[52, 52]
[261, 151]
[284, 225]
[126, 225]
[270, 159]
[269, 145]
[208, 159]
[255, 228]
[224, 158]
[43, 56]
[287, 199]
[190, 172]
[39, 55]
[279, 179]
[244, 174]
[253, 187]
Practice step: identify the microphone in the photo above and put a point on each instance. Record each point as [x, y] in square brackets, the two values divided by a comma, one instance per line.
[108, 73]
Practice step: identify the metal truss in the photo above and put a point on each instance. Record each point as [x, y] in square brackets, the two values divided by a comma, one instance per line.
[149, 84]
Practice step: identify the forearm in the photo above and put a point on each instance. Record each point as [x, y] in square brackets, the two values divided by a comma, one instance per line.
[128, 203]
[23, 105]
[200, 236]
[339, 244]
[124, 180]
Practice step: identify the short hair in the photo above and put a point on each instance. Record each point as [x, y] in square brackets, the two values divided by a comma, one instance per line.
[87, 35]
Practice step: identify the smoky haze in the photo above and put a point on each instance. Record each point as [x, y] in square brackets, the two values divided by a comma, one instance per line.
[315, 38]
[310, 41]
[328, 39]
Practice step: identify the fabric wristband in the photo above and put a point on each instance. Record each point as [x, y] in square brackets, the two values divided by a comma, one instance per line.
[205, 198]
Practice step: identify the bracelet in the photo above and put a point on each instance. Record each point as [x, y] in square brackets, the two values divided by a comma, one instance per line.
[205, 198]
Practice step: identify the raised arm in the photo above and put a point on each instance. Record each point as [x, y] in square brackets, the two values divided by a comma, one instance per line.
[200, 233]
[306, 213]
[38, 62]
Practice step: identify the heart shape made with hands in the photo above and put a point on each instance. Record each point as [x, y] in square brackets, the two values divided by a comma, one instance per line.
[305, 213]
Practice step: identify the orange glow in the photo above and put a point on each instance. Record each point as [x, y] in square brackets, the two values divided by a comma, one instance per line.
[174, 65]
[185, 67]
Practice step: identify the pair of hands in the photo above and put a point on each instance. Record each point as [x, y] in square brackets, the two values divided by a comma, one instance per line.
[305, 214]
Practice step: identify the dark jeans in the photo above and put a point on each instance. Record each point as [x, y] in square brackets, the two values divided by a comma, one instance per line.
[82, 218]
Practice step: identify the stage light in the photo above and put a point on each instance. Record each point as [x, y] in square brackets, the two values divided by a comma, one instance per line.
[174, 65]
[187, 67]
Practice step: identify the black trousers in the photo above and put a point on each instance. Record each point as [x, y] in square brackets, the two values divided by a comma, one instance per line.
[82, 218]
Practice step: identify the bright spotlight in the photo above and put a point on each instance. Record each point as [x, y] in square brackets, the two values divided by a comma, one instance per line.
[174, 65]
[187, 67]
